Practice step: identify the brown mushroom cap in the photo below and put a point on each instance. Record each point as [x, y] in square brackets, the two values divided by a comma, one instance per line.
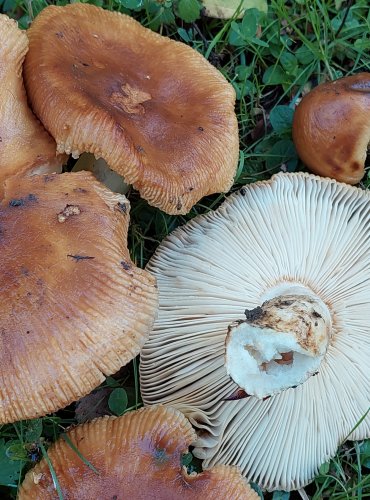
[153, 108]
[73, 307]
[137, 456]
[25, 147]
[331, 128]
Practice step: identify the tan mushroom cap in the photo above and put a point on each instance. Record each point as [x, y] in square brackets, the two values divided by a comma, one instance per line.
[331, 128]
[154, 109]
[137, 456]
[73, 306]
[295, 234]
[25, 146]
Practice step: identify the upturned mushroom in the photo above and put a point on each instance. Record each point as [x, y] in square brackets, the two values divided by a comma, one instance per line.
[331, 128]
[135, 456]
[25, 146]
[154, 109]
[74, 308]
[277, 392]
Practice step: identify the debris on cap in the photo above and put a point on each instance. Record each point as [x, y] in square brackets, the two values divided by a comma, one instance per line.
[155, 109]
[286, 264]
[25, 147]
[331, 128]
[74, 308]
[135, 456]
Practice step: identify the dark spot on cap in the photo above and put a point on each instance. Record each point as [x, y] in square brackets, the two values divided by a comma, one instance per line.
[122, 207]
[77, 258]
[179, 205]
[315, 314]
[80, 190]
[140, 149]
[201, 129]
[125, 265]
[160, 455]
[16, 202]
[356, 166]
[59, 34]
[85, 64]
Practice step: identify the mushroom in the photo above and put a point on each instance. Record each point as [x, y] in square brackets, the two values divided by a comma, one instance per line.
[74, 308]
[331, 128]
[294, 251]
[25, 146]
[154, 109]
[135, 456]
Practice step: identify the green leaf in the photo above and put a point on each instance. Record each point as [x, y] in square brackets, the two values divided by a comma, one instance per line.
[166, 16]
[186, 459]
[189, 10]
[365, 446]
[289, 62]
[184, 34]
[9, 469]
[118, 401]
[244, 88]
[304, 55]
[132, 4]
[111, 382]
[362, 44]
[282, 152]
[236, 36]
[243, 72]
[249, 24]
[16, 451]
[281, 118]
[275, 75]
[33, 430]
[281, 495]
[324, 468]
[225, 9]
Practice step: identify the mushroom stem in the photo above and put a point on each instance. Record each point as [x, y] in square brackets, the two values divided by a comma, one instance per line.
[279, 345]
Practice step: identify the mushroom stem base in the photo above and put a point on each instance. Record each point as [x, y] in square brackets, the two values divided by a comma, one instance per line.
[279, 345]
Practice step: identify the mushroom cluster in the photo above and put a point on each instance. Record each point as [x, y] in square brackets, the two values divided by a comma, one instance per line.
[261, 338]
[109, 457]
[277, 392]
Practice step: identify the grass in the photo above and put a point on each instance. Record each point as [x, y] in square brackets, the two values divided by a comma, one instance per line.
[271, 60]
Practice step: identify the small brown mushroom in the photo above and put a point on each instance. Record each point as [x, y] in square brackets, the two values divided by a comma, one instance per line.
[154, 109]
[25, 147]
[331, 128]
[137, 456]
[73, 307]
